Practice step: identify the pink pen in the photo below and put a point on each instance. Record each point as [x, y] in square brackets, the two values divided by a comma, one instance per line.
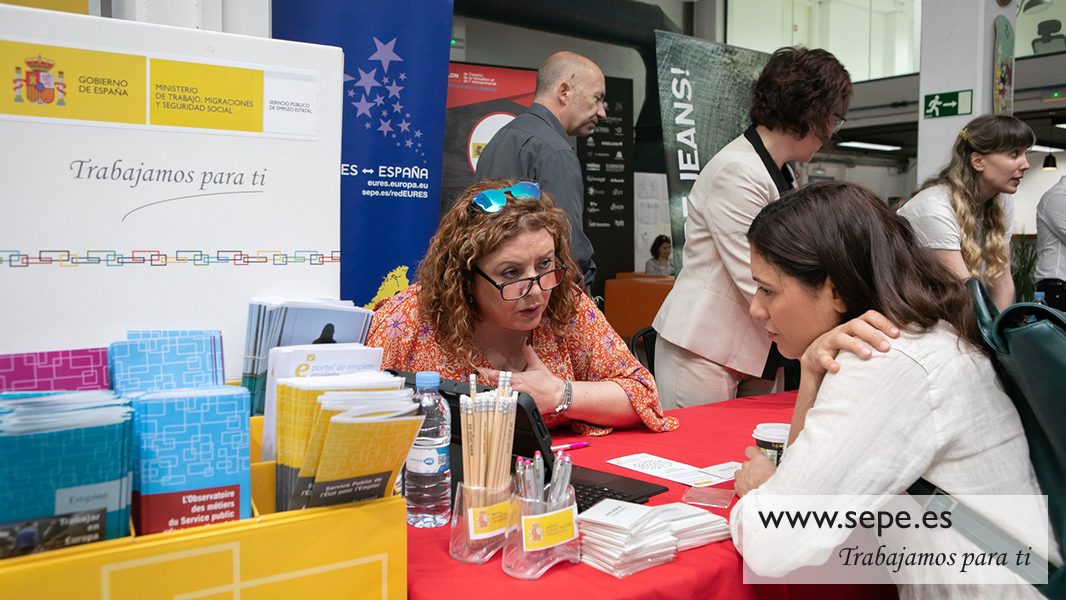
[573, 446]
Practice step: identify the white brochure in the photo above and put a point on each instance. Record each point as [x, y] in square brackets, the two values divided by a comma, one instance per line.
[675, 471]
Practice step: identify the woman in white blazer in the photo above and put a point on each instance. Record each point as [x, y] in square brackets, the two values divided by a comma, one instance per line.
[709, 348]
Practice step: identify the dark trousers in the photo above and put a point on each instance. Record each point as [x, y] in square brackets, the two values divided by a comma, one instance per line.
[1054, 292]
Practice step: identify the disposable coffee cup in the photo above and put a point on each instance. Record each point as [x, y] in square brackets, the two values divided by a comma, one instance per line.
[770, 439]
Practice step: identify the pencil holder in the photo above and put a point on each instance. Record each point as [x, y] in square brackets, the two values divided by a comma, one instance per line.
[479, 521]
[540, 534]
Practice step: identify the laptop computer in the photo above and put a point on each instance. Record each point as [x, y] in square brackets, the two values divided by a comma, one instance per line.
[531, 435]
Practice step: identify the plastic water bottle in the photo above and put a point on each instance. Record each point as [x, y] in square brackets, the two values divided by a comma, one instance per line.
[428, 482]
[1038, 298]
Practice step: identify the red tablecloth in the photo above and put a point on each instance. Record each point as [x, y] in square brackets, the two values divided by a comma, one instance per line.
[708, 435]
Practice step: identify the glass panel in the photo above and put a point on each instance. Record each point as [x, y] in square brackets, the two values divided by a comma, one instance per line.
[872, 38]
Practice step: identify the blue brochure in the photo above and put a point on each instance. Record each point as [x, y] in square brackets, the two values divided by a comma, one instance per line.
[65, 466]
[193, 458]
[166, 363]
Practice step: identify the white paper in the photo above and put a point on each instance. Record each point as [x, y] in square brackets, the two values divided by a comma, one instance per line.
[723, 471]
[675, 471]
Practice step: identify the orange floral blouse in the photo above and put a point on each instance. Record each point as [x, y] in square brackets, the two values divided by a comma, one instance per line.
[590, 350]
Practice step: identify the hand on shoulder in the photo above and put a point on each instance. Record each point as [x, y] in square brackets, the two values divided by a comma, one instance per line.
[858, 336]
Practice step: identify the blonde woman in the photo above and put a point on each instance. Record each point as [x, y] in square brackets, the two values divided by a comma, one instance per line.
[966, 213]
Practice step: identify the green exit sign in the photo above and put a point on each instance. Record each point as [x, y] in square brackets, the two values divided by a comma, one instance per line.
[948, 104]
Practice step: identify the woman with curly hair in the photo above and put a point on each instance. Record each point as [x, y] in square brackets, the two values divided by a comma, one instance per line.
[709, 348]
[965, 214]
[498, 291]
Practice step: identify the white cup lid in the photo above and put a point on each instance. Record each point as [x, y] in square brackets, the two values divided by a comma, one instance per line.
[772, 432]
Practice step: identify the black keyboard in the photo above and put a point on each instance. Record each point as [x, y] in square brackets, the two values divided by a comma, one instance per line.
[588, 495]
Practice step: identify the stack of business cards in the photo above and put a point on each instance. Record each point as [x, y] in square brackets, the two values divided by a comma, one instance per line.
[621, 538]
[693, 526]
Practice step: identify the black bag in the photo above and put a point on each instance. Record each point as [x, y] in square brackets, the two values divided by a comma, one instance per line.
[1028, 343]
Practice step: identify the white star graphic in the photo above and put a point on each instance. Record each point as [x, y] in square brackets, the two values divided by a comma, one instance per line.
[366, 80]
[386, 127]
[363, 107]
[385, 54]
[394, 90]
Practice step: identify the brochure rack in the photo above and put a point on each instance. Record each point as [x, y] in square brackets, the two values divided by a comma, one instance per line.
[349, 551]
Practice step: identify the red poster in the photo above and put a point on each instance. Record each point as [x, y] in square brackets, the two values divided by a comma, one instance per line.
[481, 100]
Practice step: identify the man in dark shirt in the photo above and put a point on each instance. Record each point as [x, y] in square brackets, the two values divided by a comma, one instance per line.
[536, 145]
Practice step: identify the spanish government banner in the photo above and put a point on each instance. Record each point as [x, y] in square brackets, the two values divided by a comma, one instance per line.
[395, 78]
[158, 177]
[705, 94]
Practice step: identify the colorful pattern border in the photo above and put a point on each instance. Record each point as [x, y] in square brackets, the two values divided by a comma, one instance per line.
[155, 258]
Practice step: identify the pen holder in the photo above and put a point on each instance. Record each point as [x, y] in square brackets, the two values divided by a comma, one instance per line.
[479, 522]
[540, 534]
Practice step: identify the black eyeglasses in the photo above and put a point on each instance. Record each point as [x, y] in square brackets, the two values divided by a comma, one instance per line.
[516, 290]
[838, 122]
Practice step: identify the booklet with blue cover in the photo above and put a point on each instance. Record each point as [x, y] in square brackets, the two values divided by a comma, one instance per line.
[146, 334]
[193, 458]
[167, 362]
[65, 466]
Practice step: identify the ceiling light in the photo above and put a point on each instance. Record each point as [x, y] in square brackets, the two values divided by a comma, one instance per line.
[1061, 126]
[1033, 6]
[1039, 148]
[868, 146]
[1050, 164]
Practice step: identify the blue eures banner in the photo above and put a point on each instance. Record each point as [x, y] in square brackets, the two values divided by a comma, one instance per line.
[395, 85]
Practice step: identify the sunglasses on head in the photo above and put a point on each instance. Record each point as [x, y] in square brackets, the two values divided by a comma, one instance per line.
[491, 201]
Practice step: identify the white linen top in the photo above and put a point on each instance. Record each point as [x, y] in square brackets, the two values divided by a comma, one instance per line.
[932, 216]
[1051, 233]
[930, 408]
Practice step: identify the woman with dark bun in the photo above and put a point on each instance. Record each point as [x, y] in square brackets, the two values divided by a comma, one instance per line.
[709, 349]
[660, 263]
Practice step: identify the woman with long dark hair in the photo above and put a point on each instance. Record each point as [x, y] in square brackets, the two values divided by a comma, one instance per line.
[930, 407]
